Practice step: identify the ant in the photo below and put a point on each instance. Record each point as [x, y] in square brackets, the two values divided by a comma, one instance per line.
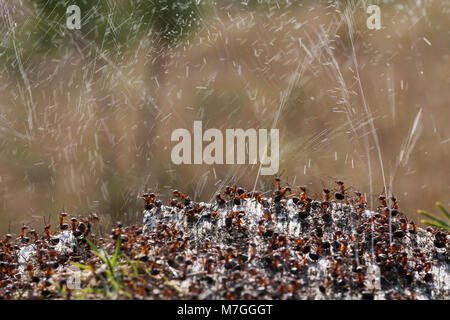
[382, 199]
[47, 230]
[340, 195]
[149, 200]
[277, 183]
[230, 190]
[240, 191]
[303, 196]
[326, 199]
[195, 211]
[362, 204]
[326, 195]
[395, 206]
[173, 202]
[256, 195]
[260, 227]
[395, 203]
[308, 204]
[34, 234]
[30, 270]
[413, 227]
[360, 197]
[6, 239]
[280, 193]
[179, 194]
[219, 200]
[267, 215]
[62, 225]
[74, 222]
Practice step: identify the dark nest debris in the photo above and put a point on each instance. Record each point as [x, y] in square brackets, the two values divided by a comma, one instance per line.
[241, 246]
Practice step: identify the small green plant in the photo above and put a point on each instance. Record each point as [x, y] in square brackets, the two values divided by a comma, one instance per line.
[110, 262]
[437, 221]
[118, 268]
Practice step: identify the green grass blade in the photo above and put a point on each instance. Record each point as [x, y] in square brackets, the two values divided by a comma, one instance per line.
[104, 260]
[116, 252]
[113, 281]
[135, 271]
[96, 251]
[81, 266]
[432, 217]
[108, 261]
[440, 206]
[434, 224]
[93, 247]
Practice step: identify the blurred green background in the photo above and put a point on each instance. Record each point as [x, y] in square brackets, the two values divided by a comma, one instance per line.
[86, 115]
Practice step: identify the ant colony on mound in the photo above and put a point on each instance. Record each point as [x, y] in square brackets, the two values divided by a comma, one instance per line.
[241, 246]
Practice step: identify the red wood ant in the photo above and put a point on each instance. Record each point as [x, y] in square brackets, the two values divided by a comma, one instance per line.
[340, 195]
[303, 193]
[382, 199]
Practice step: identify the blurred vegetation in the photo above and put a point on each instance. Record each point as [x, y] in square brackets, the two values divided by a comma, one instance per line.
[437, 222]
[86, 115]
[114, 25]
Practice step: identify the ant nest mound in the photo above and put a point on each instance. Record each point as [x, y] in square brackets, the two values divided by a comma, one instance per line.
[293, 247]
[240, 246]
